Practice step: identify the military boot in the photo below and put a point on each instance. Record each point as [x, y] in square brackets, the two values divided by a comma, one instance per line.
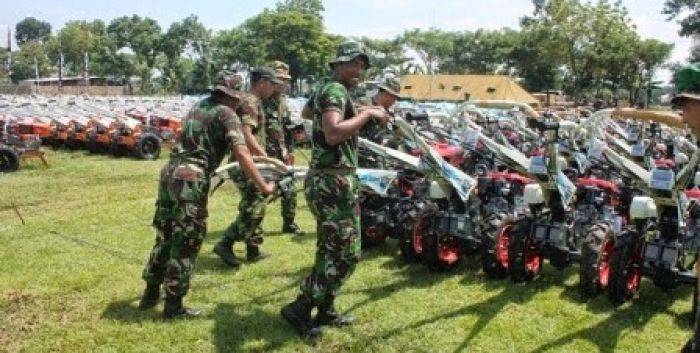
[174, 309]
[151, 296]
[253, 253]
[290, 227]
[224, 249]
[298, 314]
[328, 316]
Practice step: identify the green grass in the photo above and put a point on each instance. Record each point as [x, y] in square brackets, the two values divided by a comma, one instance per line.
[70, 282]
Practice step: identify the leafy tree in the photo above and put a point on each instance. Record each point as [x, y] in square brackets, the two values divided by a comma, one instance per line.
[76, 39]
[190, 37]
[310, 7]
[30, 29]
[690, 24]
[431, 45]
[480, 52]
[142, 36]
[384, 54]
[23, 62]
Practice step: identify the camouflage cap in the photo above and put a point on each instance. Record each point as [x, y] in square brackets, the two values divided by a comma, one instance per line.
[391, 85]
[229, 83]
[687, 83]
[281, 69]
[348, 51]
[267, 73]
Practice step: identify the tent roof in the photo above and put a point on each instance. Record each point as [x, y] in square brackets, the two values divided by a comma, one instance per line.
[464, 87]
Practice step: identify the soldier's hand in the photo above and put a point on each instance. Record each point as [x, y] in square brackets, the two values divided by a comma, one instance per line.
[381, 116]
[268, 188]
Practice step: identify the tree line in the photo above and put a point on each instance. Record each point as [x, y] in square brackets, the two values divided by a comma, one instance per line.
[587, 49]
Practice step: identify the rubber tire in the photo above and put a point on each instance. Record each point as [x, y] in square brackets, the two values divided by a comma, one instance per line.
[431, 258]
[591, 251]
[516, 254]
[93, 147]
[144, 141]
[625, 246]
[489, 237]
[9, 159]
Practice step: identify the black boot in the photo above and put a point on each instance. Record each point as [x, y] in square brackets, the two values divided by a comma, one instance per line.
[298, 314]
[329, 316]
[224, 249]
[151, 296]
[253, 253]
[175, 310]
[290, 227]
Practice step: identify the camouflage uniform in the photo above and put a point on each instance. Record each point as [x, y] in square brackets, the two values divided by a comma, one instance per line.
[209, 131]
[276, 115]
[251, 210]
[331, 190]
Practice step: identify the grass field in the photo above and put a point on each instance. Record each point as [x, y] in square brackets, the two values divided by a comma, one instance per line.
[70, 282]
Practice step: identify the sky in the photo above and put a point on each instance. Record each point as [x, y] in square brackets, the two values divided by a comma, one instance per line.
[373, 18]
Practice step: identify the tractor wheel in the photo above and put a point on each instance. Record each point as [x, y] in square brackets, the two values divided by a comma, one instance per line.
[9, 159]
[93, 146]
[626, 273]
[56, 144]
[412, 246]
[524, 260]
[495, 235]
[594, 269]
[148, 147]
[372, 235]
[440, 251]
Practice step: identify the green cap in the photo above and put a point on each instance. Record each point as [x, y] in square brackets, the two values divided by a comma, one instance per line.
[229, 83]
[268, 73]
[687, 83]
[348, 51]
[391, 85]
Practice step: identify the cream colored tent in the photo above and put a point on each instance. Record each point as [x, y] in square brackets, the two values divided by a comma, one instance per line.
[464, 87]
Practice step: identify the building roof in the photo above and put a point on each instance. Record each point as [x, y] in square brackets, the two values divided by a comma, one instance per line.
[464, 87]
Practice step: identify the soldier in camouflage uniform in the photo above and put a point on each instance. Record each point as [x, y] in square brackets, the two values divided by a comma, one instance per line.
[209, 131]
[385, 96]
[331, 190]
[247, 226]
[276, 118]
[687, 82]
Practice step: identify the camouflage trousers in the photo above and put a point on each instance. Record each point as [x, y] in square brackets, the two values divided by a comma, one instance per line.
[248, 224]
[288, 200]
[333, 200]
[180, 227]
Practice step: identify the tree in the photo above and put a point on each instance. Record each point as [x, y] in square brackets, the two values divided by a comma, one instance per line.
[310, 7]
[295, 37]
[30, 29]
[690, 24]
[384, 54]
[190, 37]
[431, 45]
[142, 35]
[480, 52]
[30, 57]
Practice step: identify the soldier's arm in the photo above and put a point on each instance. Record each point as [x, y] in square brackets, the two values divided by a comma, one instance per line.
[245, 160]
[239, 150]
[337, 130]
[332, 103]
[252, 142]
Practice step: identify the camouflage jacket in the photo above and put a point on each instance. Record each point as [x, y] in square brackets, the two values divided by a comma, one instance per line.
[331, 95]
[209, 131]
[276, 116]
[255, 120]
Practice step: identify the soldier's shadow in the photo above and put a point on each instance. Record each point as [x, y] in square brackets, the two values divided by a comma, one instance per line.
[240, 328]
[126, 311]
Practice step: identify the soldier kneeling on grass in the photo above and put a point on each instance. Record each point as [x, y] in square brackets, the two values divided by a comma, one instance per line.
[209, 131]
